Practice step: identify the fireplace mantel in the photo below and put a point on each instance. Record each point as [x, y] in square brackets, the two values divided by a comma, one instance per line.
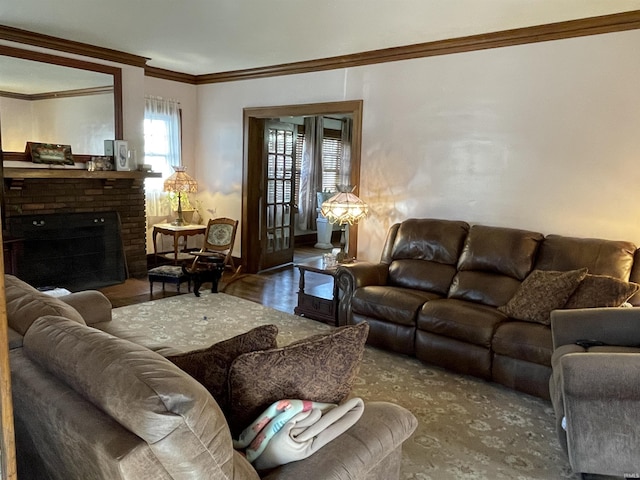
[16, 175]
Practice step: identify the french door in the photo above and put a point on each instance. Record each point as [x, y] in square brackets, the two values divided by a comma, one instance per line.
[256, 207]
[278, 209]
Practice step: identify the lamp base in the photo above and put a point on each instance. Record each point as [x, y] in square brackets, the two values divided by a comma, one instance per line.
[179, 222]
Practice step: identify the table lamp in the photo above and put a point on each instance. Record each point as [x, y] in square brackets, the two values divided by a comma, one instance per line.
[344, 208]
[180, 182]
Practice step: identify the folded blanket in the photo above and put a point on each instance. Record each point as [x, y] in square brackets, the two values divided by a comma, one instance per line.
[291, 430]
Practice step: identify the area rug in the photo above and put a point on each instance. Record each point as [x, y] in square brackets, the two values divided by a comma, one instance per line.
[468, 429]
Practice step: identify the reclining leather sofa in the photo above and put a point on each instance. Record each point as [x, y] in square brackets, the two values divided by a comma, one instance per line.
[89, 405]
[436, 291]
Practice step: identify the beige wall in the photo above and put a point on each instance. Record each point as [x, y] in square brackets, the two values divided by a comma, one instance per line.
[542, 136]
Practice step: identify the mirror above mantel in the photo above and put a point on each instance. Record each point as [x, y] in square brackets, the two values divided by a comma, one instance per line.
[51, 99]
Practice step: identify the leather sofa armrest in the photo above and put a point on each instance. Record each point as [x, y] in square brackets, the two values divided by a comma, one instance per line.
[613, 326]
[362, 452]
[349, 277]
[602, 410]
[362, 274]
[91, 304]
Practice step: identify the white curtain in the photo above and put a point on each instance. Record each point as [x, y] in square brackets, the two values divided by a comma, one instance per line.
[162, 149]
[311, 173]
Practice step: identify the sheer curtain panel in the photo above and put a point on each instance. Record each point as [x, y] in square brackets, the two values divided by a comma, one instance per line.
[311, 173]
[162, 149]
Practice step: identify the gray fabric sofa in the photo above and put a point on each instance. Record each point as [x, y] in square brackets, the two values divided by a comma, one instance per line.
[437, 290]
[89, 405]
[595, 388]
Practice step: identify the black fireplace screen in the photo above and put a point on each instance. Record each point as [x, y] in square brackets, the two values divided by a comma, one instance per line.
[76, 251]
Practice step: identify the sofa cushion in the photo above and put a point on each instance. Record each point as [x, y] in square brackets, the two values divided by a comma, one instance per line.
[321, 368]
[526, 341]
[391, 304]
[493, 263]
[601, 291]
[540, 293]
[464, 321]
[601, 257]
[25, 304]
[210, 366]
[483, 287]
[429, 239]
[141, 390]
[421, 275]
[425, 253]
[507, 251]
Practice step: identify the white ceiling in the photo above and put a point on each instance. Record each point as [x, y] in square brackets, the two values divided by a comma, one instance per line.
[210, 36]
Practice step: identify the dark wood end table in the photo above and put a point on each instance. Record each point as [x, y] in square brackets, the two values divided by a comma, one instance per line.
[320, 300]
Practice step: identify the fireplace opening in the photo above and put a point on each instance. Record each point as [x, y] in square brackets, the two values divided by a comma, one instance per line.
[76, 251]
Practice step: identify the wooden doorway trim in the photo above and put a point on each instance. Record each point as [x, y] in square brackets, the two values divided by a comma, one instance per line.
[252, 176]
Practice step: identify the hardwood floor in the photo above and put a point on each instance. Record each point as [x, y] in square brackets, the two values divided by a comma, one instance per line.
[276, 288]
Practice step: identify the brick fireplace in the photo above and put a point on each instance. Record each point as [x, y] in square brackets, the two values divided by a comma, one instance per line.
[125, 196]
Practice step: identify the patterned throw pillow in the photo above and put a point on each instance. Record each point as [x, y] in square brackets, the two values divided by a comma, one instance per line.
[540, 293]
[321, 368]
[601, 291]
[210, 366]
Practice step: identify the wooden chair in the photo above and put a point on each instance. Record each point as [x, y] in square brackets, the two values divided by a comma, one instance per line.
[218, 242]
[215, 255]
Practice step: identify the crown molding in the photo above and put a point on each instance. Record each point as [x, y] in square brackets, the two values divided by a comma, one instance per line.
[505, 38]
[69, 46]
[540, 33]
[79, 92]
[169, 75]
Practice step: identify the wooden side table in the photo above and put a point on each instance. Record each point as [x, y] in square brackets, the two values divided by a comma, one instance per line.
[176, 232]
[319, 302]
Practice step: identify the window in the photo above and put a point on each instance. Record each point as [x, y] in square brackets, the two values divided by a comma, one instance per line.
[331, 160]
[156, 145]
[162, 149]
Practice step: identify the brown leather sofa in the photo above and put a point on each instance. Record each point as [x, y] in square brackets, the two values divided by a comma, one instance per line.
[436, 291]
[89, 405]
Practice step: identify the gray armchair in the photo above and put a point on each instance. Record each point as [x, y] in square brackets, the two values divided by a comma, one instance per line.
[595, 389]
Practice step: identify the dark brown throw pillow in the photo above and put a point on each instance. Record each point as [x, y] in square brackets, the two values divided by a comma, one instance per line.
[540, 293]
[210, 366]
[321, 368]
[601, 291]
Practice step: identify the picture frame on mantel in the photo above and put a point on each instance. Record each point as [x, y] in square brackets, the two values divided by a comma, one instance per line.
[49, 153]
[121, 156]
